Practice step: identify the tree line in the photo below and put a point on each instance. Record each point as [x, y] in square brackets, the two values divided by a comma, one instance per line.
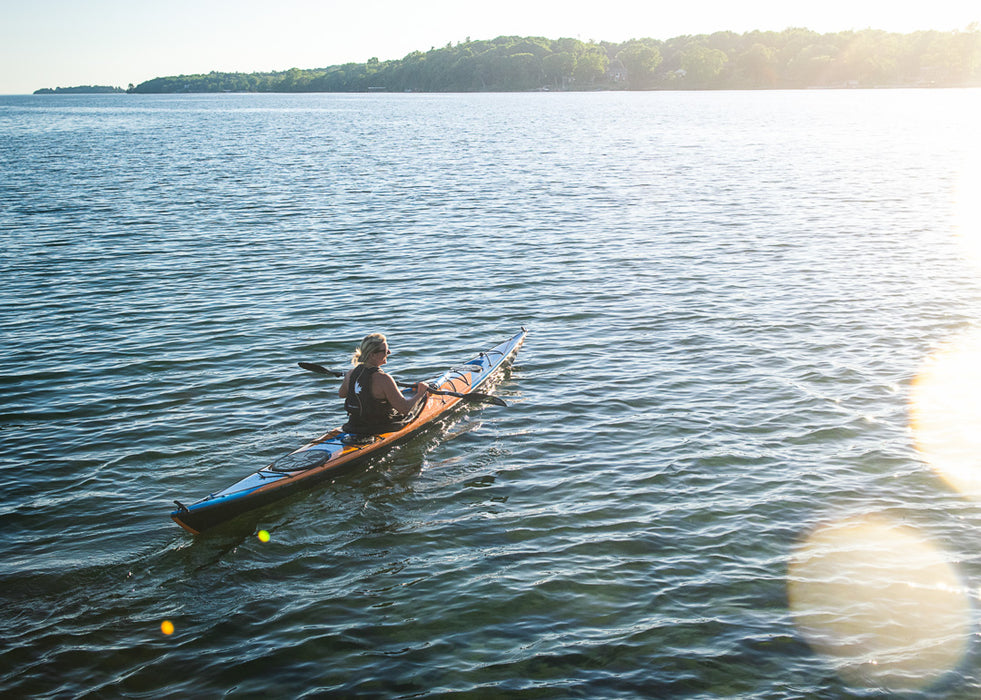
[80, 90]
[791, 59]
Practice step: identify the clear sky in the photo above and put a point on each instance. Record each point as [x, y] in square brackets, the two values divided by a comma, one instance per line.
[62, 43]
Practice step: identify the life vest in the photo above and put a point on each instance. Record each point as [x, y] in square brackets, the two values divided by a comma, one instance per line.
[367, 414]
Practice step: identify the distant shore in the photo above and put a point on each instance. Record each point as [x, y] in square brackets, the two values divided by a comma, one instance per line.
[792, 59]
[80, 90]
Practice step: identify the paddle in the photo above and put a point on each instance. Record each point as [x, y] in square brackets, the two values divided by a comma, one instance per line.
[320, 369]
[472, 397]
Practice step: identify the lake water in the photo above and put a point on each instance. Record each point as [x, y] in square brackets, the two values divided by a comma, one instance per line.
[740, 456]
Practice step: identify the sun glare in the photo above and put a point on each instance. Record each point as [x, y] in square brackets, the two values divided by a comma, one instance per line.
[945, 413]
[967, 206]
[880, 603]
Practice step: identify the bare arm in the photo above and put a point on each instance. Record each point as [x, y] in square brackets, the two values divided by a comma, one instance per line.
[342, 391]
[385, 385]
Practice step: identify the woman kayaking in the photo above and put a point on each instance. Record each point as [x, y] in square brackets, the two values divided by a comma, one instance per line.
[371, 398]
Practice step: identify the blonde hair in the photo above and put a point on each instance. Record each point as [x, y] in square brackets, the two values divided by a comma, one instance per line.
[371, 344]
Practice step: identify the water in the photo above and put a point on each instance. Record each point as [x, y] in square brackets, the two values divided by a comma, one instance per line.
[730, 296]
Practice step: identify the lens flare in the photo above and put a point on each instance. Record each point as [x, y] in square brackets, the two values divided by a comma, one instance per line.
[945, 414]
[263, 536]
[880, 602]
[167, 627]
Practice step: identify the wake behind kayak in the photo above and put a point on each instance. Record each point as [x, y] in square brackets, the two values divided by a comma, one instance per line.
[337, 451]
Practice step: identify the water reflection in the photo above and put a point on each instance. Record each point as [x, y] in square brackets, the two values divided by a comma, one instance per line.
[945, 413]
[880, 602]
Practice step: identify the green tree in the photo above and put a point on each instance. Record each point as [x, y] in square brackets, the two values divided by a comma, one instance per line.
[813, 66]
[757, 67]
[640, 60]
[591, 65]
[868, 58]
[291, 81]
[559, 67]
[702, 65]
[523, 71]
[958, 57]
[573, 46]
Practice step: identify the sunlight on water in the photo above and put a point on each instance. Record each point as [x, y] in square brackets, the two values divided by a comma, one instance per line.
[880, 602]
[946, 413]
[967, 206]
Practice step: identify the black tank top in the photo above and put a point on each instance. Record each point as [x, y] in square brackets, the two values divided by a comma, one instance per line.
[361, 406]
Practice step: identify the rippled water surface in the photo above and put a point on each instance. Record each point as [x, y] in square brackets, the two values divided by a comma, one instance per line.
[740, 454]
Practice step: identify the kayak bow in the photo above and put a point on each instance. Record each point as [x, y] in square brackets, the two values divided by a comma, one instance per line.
[337, 451]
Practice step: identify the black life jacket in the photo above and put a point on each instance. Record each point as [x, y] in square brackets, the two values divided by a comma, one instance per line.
[365, 412]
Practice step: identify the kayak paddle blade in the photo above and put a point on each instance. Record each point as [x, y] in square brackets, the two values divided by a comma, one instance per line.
[319, 369]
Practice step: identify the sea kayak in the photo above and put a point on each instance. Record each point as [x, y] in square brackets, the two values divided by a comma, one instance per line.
[336, 451]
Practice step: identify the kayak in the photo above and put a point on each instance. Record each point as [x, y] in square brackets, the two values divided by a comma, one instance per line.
[337, 451]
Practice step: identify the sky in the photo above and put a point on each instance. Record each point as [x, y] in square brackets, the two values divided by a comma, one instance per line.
[64, 43]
